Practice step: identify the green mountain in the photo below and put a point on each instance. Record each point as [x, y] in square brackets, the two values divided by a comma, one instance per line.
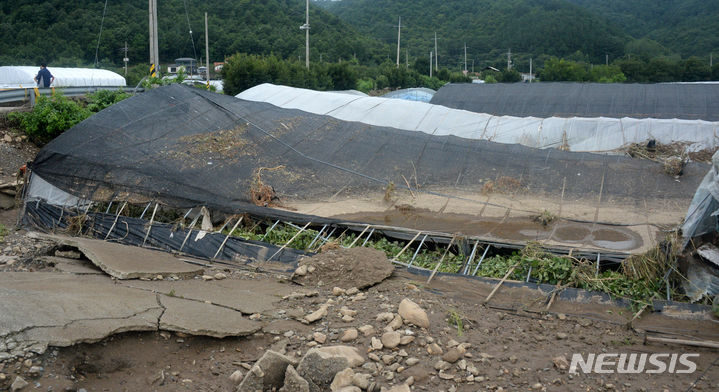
[66, 32]
[687, 27]
[489, 28]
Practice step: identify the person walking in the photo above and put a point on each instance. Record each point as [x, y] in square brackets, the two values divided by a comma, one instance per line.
[44, 78]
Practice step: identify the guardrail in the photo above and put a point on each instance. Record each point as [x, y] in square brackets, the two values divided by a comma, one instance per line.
[28, 94]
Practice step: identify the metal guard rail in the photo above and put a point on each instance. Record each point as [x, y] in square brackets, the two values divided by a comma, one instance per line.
[27, 94]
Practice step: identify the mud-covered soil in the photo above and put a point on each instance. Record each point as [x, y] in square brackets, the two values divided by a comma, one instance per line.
[508, 350]
[344, 268]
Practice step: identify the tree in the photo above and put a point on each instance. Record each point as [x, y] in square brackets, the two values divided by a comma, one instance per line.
[695, 70]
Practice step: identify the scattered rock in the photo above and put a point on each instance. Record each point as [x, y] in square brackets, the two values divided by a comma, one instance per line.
[404, 340]
[399, 388]
[391, 339]
[361, 380]
[413, 313]
[349, 335]
[267, 373]
[36, 370]
[345, 311]
[561, 335]
[294, 382]
[208, 277]
[317, 314]
[384, 317]
[320, 365]
[452, 355]
[376, 344]
[18, 384]
[367, 330]
[220, 276]
[352, 291]
[342, 379]
[396, 323]
[236, 377]
[336, 291]
[434, 349]
[561, 362]
[319, 337]
[301, 270]
[411, 361]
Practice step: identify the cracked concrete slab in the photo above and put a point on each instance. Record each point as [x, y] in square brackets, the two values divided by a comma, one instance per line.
[40, 309]
[199, 318]
[73, 266]
[246, 296]
[129, 262]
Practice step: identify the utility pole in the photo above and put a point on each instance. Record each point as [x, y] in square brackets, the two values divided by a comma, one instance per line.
[154, 51]
[306, 28]
[606, 59]
[472, 65]
[465, 57]
[436, 53]
[207, 52]
[399, 33]
[406, 57]
[509, 59]
[430, 64]
[530, 70]
[125, 59]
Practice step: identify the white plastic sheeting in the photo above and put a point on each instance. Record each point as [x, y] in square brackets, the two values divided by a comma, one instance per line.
[40, 189]
[600, 134]
[22, 76]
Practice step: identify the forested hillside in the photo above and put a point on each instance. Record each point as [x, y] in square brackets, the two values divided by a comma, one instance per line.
[489, 27]
[686, 27]
[66, 32]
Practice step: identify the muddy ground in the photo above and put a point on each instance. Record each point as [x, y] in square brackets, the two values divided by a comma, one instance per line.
[512, 347]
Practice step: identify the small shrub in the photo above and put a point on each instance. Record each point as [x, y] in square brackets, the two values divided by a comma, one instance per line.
[104, 98]
[50, 117]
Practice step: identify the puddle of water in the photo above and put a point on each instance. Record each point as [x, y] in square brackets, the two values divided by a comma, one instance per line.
[513, 229]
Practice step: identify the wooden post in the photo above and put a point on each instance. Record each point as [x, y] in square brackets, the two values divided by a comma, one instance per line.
[499, 284]
[441, 260]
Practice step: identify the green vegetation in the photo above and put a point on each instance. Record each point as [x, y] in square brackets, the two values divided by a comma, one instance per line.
[456, 320]
[639, 281]
[55, 114]
[105, 98]
[65, 33]
[242, 71]
[3, 232]
[50, 117]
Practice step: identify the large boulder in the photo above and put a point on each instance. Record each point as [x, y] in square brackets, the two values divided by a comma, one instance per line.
[267, 373]
[294, 382]
[320, 365]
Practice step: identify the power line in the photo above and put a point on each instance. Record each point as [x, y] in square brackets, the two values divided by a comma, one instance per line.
[187, 16]
[102, 21]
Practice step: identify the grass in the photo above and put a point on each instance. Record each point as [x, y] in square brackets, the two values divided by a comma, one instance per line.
[456, 320]
[639, 279]
[3, 232]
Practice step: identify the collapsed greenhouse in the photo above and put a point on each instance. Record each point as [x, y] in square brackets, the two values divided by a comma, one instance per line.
[181, 147]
